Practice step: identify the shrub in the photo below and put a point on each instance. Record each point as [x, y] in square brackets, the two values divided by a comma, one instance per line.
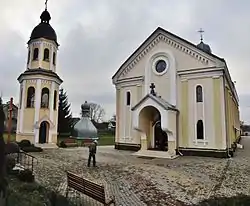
[32, 149]
[10, 163]
[62, 144]
[26, 176]
[11, 148]
[24, 143]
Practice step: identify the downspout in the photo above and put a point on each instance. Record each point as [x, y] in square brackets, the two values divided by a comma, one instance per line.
[225, 103]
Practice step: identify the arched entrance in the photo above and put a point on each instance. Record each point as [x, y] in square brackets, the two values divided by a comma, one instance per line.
[150, 123]
[160, 137]
[43, 132]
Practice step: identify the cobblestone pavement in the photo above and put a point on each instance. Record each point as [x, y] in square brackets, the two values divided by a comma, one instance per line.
[136, 181]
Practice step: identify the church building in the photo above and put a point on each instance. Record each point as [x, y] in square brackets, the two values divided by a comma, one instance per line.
[176, 97]
[39, 85]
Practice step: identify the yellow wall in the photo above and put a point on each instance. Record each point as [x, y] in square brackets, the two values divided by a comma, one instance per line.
[232, 117]
[217, 112]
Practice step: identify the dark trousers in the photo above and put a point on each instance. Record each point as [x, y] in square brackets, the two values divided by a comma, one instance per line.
[89, 160]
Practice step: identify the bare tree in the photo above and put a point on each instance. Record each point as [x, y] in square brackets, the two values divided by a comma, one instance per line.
[96, 112]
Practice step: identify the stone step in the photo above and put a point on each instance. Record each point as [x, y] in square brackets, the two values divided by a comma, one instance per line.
[155, 154]
[47, 146]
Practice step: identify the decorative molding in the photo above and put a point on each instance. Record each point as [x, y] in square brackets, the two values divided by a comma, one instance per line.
[46, 81]
[173, 43]
[216, 77]
[31, 81]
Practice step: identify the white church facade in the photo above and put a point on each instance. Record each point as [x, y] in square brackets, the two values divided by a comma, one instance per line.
[39, 86]
[174, 96]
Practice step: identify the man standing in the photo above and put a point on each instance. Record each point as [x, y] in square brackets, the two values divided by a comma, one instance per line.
[92, 152]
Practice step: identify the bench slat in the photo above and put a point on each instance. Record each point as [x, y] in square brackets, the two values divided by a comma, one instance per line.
[86, 187]
[86, 183]
[82, 188]
[97, 196]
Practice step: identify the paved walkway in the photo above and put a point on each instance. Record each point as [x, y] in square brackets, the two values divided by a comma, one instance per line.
[137, 181]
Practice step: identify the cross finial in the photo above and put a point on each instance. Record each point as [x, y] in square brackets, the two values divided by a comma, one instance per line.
[201, 31]
[152, 87]
[46, 4]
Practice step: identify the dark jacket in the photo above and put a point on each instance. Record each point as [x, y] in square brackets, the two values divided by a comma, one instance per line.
[92, 149]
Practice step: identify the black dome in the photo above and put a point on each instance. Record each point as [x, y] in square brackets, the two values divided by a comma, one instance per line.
[44, 29]
[204, 47]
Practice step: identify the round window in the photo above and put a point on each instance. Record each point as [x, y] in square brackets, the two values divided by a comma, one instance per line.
[160, 66]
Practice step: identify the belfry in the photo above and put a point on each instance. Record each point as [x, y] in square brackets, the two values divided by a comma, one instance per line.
[39, 86]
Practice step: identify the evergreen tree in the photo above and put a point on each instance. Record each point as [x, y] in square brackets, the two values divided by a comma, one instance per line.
[64, 114]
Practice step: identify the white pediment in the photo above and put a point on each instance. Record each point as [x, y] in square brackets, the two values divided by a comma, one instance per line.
[175, 43]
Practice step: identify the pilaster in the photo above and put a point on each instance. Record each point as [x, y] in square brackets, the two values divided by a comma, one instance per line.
[37, 108]
[51, 107]
[40, 57]
[22, 107]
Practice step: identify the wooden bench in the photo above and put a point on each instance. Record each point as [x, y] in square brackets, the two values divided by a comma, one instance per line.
[88, 188]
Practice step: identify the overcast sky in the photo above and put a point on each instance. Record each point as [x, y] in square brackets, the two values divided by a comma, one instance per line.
[96, 37]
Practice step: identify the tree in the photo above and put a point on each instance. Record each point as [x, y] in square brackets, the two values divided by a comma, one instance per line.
[3, 182]
[64, 113]
[96, 112]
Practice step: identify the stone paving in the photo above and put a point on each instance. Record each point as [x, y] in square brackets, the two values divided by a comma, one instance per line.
[138, 181]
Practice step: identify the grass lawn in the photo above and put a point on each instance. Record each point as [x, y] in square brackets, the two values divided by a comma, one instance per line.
[104, 139]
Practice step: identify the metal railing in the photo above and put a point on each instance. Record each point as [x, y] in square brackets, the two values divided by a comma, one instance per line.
[24, 160]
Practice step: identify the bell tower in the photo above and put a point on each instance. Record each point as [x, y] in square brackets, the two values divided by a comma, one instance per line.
[39, 86]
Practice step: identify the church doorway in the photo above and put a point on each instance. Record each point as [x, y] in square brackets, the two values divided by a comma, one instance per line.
[43, 132]
[150, 124]
[160, 137]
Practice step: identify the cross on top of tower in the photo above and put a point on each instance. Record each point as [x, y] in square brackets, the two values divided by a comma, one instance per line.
[152, 87]
[46, 4]
[201, 31]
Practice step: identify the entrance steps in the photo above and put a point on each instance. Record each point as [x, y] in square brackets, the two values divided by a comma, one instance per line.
[47, 146]
[155, 154]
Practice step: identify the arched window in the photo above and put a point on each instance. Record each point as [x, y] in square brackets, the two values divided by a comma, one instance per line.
[199, 95]
[35, 54]
[28, 59]
[46, 54]
[200, 130]
[45, 98]
[55, 99]
[30, 97]
[128, 97]
[54, 58]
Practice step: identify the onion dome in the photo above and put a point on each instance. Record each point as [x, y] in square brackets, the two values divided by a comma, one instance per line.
[84, 128]
[204, 47]
[44, 29]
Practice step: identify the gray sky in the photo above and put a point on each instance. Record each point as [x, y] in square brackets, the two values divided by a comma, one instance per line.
[97, 36]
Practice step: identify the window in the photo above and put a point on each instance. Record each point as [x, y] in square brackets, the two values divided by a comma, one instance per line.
[199, 95]
[35, 54]
[200, 130]
[128, 98]
[46, 55]
[45, 98]
[30, 97]
[55, 99]
[28, 60]
[54, 58]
